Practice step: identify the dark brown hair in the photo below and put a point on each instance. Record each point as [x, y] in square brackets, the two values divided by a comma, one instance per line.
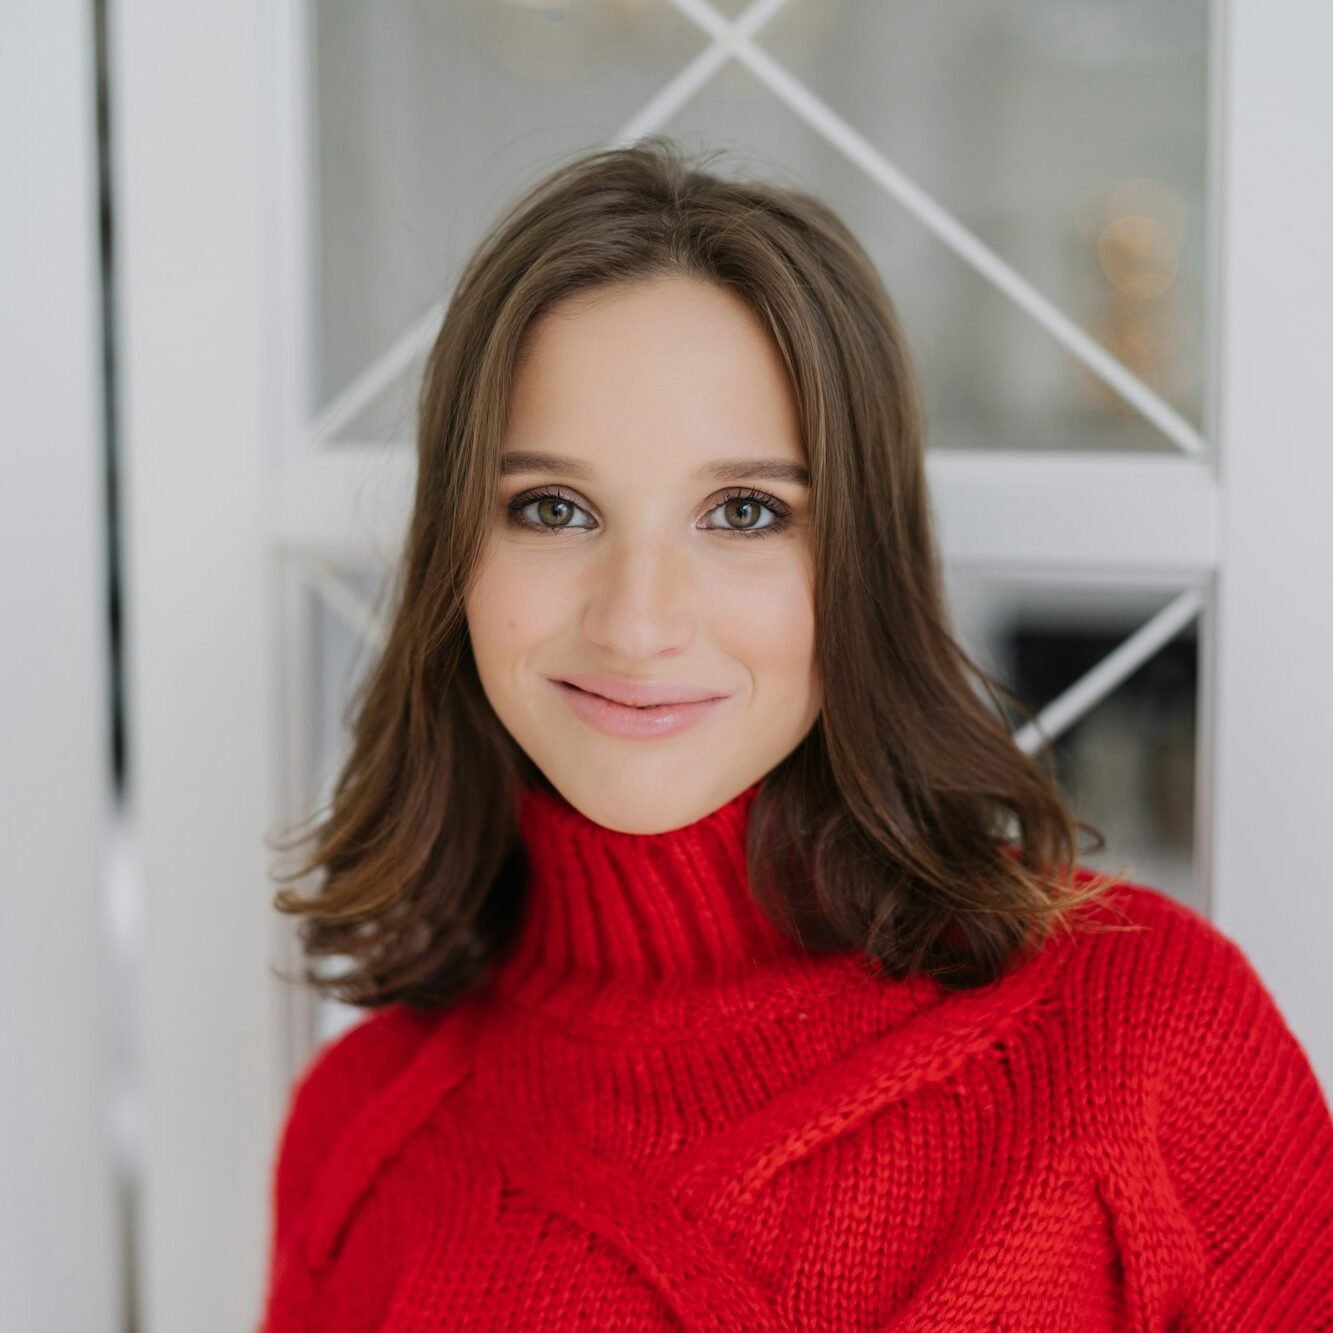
[907, 824]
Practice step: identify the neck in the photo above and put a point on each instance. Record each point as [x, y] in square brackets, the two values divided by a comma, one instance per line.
[622, 927]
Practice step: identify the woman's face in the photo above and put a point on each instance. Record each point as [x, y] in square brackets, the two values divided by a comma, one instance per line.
[624, 555]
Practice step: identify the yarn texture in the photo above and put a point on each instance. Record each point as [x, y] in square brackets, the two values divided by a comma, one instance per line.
[660, 1113]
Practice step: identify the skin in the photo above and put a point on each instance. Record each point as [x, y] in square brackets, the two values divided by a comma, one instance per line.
[642, 568]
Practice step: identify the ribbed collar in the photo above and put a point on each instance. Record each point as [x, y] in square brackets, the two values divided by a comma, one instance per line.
[621, 929]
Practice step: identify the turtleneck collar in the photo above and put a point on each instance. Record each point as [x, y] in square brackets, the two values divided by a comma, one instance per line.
[620, 928]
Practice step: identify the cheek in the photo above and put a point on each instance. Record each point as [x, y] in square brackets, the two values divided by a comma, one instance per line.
[506, 611]
[769, 624]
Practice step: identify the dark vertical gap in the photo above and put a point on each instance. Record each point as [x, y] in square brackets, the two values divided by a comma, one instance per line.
[127, 1183]
[110, 407]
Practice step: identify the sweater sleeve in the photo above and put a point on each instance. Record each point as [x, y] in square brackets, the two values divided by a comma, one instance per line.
[1247, 1138]
[336, 1081]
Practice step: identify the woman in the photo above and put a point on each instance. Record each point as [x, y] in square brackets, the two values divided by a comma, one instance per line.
[731, 967]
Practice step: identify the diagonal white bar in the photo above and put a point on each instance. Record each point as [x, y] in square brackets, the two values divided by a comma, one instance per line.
[345, 602]
[1117, 666]
[356, 396]
[675, 93]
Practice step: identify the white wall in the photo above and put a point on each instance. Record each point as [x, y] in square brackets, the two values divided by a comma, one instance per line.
[56, 1163]
[1273, 885]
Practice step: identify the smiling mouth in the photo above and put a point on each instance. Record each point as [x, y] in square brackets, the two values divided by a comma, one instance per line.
[636, 721]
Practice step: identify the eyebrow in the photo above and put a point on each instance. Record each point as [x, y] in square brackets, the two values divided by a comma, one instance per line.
[725, 469]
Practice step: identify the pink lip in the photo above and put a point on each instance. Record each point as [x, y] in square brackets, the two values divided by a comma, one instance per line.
[615, 719]
[641, 693]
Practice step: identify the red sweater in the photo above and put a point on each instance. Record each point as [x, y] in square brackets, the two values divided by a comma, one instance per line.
[661, 1114]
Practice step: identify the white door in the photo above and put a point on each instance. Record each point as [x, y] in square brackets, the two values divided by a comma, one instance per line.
[1102, 232]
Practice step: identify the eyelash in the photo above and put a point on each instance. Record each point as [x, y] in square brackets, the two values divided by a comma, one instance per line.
[781, 511]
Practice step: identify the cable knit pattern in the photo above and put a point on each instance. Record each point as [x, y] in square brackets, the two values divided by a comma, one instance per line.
[660, 1113]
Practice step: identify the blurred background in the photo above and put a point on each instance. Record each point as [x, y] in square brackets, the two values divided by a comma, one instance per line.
[228, 236]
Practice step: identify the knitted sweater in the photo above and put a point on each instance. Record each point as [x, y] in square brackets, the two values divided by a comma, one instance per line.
[660, 1113]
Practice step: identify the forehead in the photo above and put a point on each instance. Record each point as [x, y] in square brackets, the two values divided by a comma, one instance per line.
[675, 362]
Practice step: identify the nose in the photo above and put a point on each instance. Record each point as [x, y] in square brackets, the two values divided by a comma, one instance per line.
[640, 598]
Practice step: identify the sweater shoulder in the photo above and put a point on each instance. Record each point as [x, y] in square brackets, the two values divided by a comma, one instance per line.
[349, 1068]
[327, 1099]
[1143, 923]
[1162, 975]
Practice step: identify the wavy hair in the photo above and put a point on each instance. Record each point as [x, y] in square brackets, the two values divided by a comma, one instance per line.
[907, 824]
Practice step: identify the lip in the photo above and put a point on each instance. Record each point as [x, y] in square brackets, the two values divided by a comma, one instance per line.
[647, 722]
[639, 693]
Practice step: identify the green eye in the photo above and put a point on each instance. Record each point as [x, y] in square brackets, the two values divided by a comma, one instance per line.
[561, 506]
